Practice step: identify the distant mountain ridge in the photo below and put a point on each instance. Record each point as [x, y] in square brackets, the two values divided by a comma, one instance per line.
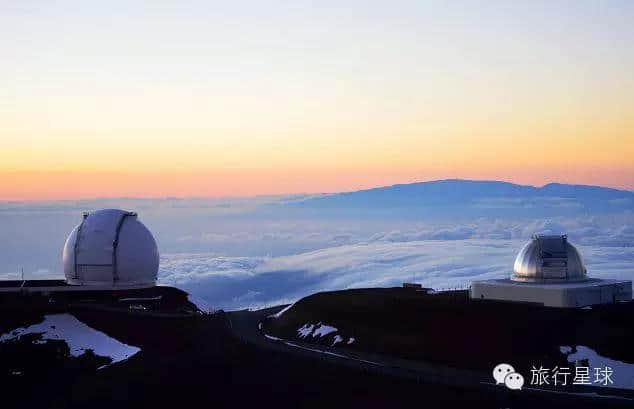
[458, 193]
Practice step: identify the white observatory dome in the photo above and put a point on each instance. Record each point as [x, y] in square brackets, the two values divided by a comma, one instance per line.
[113, 248]
[549, 259]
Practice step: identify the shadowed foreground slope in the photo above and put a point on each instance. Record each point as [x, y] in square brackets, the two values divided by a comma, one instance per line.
[450, 329]
[201, 360]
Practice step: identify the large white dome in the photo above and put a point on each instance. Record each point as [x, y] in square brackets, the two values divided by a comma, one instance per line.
[111, 247]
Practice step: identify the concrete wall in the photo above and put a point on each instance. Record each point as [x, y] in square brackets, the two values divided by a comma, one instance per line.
[577, 295]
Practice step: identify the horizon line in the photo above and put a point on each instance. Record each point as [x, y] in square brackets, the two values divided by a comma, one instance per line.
[290, 194]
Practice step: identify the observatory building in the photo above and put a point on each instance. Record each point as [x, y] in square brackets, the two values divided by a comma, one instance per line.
[550, 271]
[109, 250]
[111, 264]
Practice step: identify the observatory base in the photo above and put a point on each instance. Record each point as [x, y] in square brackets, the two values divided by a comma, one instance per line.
[48, 286]
[565, 295]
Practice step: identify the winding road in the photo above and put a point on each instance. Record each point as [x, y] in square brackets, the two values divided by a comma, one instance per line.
[246, 326]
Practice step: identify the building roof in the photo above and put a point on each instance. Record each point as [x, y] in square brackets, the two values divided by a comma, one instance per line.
[549, 259]
[111, 247]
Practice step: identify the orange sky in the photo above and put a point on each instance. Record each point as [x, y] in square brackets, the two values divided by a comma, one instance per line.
[247, 101]
[91, 184]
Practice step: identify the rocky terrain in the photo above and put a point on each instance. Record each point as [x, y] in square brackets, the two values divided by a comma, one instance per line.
[450, 329]
[133, 351]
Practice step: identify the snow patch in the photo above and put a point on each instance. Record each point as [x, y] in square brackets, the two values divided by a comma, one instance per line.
[78, 336]
[305, 331]
[337, 340]
[323, 330]
[318, 330]
[622, 375]
[279, 313]
[351, 340]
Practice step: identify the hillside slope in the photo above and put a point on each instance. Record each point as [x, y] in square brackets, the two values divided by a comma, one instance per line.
[199, 361]
[449, 328]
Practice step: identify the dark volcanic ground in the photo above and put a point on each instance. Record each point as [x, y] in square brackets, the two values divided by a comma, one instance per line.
[207, 360]
[450, 329]
[193, 362]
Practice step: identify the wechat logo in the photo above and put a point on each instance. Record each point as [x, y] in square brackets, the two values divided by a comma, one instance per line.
[505, 374]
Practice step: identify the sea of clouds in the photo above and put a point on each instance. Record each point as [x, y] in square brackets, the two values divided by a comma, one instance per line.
[440, 259]
[246, 253]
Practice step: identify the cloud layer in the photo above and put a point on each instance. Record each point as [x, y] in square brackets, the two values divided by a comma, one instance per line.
[248, 252]
[237, 282]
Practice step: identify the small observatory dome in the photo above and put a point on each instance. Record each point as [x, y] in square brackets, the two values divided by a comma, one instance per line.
[549, 259]
[111, 247]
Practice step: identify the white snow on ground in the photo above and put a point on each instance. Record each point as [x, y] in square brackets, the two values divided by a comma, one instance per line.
[322, 330]
[305, 331]
[78, 336]
[201, 304]
[337, 340]
[279, 313]
[318, 330]
[351, 340]
[622, 375]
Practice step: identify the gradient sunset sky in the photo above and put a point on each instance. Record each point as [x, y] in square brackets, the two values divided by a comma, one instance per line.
[109, 99]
